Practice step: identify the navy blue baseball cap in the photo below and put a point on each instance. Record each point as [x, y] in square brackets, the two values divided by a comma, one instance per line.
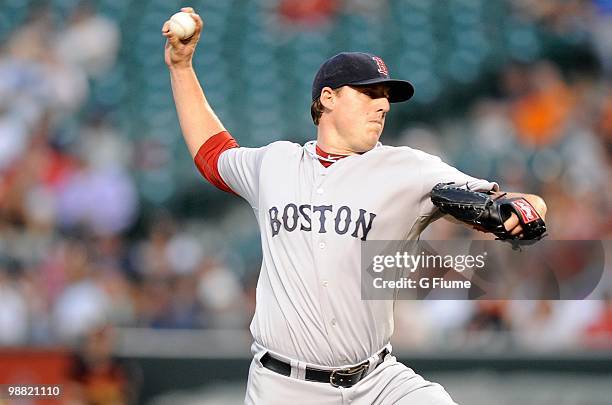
[359, 69]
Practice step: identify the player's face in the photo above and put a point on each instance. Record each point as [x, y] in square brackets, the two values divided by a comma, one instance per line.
[360, 115]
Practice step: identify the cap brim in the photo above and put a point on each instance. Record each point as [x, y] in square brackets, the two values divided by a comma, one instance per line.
[399, 90]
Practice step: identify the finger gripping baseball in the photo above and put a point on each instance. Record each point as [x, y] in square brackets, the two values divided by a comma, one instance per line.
[486, 213]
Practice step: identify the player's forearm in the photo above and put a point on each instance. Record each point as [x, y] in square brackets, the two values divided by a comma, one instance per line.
[197, 119]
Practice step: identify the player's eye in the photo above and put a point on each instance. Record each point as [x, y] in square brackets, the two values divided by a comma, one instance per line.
[368, 91]
[375, 92]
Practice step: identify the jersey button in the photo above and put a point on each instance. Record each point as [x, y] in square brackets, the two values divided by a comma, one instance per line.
[322, 245]
[319, 191]
[333, 322]
[324, 283]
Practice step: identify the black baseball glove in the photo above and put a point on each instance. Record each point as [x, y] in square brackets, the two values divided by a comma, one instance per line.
[488, 213]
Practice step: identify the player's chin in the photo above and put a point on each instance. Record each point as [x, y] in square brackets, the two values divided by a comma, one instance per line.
[370, 140]
[375, 133]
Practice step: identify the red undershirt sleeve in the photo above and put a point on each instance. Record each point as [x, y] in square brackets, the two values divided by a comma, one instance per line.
[208, 156]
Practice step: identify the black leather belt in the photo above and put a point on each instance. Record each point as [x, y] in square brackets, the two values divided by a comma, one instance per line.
[341, 377]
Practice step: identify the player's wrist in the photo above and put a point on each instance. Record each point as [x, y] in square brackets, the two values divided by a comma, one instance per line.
[538, 204]
[178, 67]
[536, 201]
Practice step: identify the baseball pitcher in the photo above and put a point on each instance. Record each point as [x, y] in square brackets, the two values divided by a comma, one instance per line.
[315, 340]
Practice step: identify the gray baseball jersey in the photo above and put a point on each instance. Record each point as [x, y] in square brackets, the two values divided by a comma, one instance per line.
[313, 220]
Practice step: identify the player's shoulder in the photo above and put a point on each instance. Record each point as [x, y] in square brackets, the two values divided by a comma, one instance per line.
[271, 148]
[282, 149]
[283, 146]
[406, 152]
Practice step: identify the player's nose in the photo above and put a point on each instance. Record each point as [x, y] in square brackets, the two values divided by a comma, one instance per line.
[382, 105]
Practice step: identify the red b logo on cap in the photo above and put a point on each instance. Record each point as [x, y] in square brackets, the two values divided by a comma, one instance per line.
[382, 68]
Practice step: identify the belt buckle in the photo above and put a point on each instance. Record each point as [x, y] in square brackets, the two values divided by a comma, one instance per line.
[346, 372]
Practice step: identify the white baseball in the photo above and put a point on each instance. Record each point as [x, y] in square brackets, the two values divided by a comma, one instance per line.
[182, 25]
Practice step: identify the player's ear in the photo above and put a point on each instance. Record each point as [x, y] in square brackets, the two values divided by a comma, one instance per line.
[328, 97]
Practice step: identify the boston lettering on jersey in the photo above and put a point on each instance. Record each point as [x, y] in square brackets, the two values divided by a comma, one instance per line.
[326, 219]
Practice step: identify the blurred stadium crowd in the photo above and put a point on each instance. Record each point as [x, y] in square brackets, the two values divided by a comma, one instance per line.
[80, 246]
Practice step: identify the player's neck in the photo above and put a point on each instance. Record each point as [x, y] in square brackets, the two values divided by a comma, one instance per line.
[331, 150]
[329, 140]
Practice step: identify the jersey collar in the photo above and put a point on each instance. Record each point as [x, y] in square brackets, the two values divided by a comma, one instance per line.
[326, 159]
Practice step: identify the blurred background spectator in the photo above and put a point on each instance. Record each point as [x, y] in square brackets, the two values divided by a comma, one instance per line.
[97, 377]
